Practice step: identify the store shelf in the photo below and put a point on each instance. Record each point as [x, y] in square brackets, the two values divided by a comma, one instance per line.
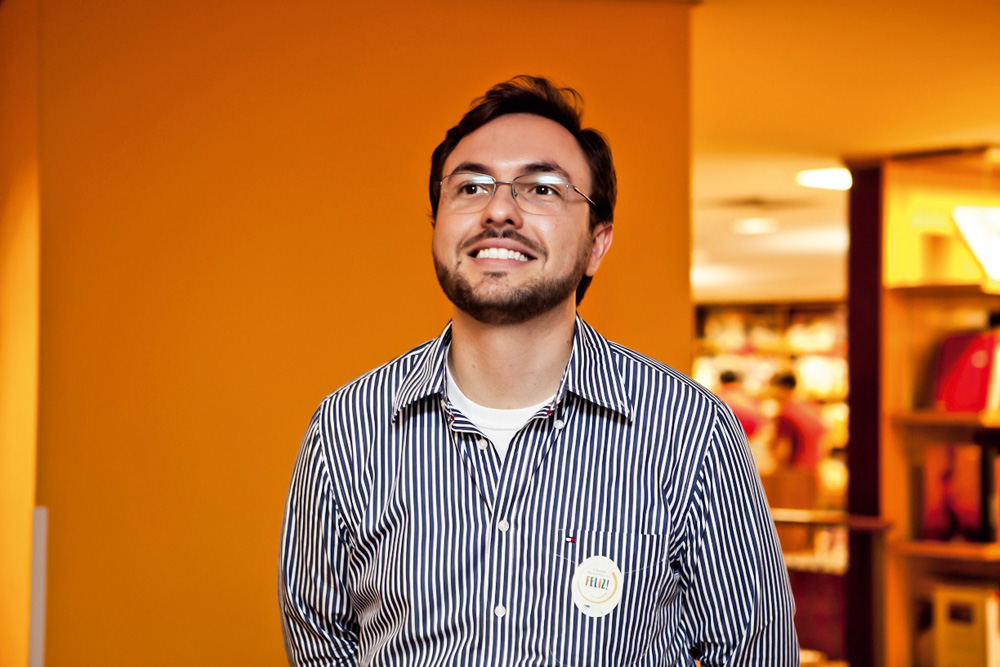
[759, 340]
[834, 562]
[829, 518]
[956, 551]
[940, 418]
[945, 291]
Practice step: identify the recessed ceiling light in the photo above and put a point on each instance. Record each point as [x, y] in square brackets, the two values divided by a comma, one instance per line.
[835, 178]
[754, 226]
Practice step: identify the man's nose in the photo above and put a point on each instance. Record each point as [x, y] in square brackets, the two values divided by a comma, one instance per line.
[502, 209]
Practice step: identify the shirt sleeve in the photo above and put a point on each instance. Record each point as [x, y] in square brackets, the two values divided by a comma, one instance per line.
[738, 604]
[317, 618]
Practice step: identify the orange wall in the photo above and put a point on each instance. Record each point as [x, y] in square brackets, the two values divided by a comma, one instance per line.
[18, 317]
[234, 223]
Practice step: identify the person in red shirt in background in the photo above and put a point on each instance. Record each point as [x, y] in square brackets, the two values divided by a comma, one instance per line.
[744, 406]
[798, 429]
[755, 422]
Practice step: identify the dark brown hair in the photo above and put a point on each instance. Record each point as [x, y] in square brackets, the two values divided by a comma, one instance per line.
[538, 96]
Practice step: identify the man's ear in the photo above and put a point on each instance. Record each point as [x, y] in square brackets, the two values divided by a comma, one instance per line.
[600, 242]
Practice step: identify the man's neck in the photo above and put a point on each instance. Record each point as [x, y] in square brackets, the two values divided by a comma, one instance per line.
[515, 365]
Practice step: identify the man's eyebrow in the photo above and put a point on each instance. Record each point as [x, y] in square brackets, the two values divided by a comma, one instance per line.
[531, 168]
[473, 167]
[546, 168]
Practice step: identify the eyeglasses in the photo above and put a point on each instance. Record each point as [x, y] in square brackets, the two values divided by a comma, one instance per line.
[538, 194]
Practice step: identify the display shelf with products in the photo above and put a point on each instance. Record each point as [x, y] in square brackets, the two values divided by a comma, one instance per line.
[759, 342]
[928, 416]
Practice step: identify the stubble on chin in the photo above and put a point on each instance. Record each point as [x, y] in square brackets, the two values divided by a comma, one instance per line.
[492, 302]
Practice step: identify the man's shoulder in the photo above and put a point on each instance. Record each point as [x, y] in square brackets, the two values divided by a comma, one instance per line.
[647, 375]
[382, 381]
[632, 361]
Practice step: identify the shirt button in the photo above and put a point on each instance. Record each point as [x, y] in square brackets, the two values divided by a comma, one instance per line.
[482, 443]
[503, 526]
[500, 611]
[558, 424]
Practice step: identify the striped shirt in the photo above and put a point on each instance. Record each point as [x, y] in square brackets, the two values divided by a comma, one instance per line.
[407, 541]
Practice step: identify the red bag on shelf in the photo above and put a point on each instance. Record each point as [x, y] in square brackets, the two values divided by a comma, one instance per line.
[965, 380]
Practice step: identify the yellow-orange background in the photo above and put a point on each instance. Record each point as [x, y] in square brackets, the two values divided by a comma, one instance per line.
[231, 199]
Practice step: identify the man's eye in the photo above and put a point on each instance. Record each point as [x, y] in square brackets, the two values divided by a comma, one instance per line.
[471, 189]
[544, 190]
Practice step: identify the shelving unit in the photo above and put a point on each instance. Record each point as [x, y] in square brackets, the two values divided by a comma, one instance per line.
[913, 281]
[946, 419]
[759, 340]
[966, 551]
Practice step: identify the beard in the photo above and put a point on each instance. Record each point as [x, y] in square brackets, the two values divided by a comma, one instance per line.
[492, 302]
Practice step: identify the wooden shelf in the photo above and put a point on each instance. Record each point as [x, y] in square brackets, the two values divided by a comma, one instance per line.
[779, 349]
[810, 561]
[957, 551]
[943, 290]
[830, 518]
[939, 418]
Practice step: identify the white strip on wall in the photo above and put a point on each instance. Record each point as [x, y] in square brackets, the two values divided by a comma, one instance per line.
[39, 566]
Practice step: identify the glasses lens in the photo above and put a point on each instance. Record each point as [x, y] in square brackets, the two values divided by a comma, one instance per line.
[543, 194]
[467, 192]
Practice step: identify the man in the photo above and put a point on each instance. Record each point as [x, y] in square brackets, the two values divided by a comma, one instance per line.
[520, 491]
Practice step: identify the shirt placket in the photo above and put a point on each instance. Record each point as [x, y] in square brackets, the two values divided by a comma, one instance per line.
[481, 462]
[482, 465]
[511, 530]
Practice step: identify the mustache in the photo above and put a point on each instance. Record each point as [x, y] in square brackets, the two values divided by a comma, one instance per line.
[506, 233]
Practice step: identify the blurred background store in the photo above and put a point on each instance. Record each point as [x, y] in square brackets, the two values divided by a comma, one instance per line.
[783, 88]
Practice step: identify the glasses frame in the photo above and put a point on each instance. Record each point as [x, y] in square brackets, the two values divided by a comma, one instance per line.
[513, 191]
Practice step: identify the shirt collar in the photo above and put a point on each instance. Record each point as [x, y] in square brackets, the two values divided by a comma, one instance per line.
[591, 373]
[427, 376]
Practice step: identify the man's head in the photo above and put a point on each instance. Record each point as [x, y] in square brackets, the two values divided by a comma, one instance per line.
[537, 97]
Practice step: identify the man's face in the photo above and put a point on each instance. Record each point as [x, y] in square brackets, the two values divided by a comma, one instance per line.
[541, 257]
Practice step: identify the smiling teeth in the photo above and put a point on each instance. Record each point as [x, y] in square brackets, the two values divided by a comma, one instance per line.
[500, 253]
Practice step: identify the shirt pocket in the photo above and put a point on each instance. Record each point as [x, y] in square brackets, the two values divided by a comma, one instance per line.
[637, 629]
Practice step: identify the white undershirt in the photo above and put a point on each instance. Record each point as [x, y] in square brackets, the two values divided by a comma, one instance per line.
[499, 426]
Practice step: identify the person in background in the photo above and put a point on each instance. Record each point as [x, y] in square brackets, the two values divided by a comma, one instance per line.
[756, 424]
[798, 440]
[744, 406]
[521, 491]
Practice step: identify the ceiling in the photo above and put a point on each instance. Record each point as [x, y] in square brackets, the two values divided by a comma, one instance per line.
[784, 85]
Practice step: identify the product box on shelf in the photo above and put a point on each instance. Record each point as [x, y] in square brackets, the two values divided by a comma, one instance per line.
[966, 624]
[959, 492]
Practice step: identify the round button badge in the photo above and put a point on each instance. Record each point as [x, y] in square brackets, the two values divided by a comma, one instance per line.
[597, 586]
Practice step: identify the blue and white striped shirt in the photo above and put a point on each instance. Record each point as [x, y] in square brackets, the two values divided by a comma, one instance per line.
[406, 540]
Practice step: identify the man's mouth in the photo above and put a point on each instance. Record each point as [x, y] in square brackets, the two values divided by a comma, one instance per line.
[501, 253]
